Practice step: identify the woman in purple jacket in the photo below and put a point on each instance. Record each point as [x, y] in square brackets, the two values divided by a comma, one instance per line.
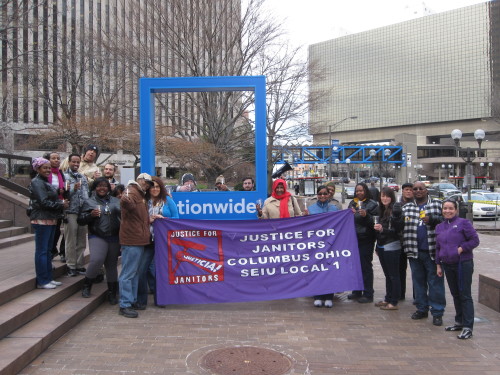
[455, 240]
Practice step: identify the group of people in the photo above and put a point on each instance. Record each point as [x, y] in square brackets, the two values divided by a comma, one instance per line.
[118, 220]
[426, 232]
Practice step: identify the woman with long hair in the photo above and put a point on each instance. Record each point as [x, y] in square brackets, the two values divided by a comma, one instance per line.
[389, 228]
[46, 208]
[322, 205]
[455, 240]
[160, 205]
[102, 214]
[280, 204]
[364, 209]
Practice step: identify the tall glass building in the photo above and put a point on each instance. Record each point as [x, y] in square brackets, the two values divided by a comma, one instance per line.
[424, 77]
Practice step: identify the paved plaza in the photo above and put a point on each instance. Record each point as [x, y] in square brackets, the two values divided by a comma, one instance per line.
[351, 338]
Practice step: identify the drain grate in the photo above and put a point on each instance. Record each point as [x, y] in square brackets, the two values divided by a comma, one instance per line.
[246, 360]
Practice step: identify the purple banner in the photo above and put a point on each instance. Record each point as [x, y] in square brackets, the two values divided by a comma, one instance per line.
[206, 261]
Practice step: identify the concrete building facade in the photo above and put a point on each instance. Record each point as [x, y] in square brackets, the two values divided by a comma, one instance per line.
[423, 78]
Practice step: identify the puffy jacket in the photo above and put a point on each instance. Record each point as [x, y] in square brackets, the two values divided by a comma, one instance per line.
[134, 227]
[452, 234]
[44, 200]
[364, 225]
[108, 224]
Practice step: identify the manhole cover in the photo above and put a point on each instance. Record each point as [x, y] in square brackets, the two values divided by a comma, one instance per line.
[246, 360]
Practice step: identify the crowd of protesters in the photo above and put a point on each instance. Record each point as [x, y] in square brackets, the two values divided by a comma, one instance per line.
[117, 219]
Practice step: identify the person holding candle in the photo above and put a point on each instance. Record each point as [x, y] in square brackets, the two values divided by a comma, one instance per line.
[75, 234]
[364, 209]
[389, 228]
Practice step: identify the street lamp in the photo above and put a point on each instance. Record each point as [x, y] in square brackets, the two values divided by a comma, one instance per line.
[469, 157]
[387, 153]
[330, 128]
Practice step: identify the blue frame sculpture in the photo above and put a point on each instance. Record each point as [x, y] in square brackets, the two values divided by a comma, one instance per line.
[220, 205]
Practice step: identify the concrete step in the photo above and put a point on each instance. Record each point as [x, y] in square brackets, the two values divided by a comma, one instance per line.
[12, 231]
[16, 240]
[23, 345]
[6, 223]
[23, 309]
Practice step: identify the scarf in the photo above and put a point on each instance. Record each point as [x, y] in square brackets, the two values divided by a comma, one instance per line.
[358, 202]
[60, 178]
[283, 198]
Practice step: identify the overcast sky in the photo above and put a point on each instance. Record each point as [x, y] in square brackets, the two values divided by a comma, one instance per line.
[313, 21]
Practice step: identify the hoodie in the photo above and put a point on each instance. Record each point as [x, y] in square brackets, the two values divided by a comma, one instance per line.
[452, 234]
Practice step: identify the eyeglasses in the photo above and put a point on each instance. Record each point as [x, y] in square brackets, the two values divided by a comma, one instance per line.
[323, 193]
[418, 188]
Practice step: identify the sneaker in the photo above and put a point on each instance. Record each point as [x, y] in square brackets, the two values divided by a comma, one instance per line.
[46, 286]
[365, 300]
[419, 315]
[81, 271]
[465, 334]
[72, 272]
[138, 306]
[128, 312]
[318, 303]
[437, 320]
[329, 303]
[56, 283]
[454, 327]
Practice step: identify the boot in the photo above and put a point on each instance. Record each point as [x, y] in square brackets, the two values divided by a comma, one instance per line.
[87, 286]
[112, 291]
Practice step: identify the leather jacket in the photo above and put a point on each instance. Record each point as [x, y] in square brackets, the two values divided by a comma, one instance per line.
[108, 224]
[44, 201]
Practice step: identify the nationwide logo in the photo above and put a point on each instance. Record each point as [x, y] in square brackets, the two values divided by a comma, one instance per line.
[186, 265]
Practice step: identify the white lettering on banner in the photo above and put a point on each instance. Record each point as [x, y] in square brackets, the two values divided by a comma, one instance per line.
[230, 207]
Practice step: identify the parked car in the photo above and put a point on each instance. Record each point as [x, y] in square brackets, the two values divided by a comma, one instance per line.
[349, 192]
[442, 190]
[346, 180]
[480, 210]
[393, 186]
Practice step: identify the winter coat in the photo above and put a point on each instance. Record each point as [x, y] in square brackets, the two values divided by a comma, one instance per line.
[392, 226]
[44, 201]
[134, 228]
[76, 197]
[364, 225]
[452, 234]
[271, 209]
[108, 224]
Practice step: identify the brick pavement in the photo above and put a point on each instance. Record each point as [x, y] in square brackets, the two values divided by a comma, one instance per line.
[351, 338]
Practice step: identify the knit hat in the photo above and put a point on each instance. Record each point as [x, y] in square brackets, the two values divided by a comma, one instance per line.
[219, 180]
[91, 147]
[187, 177]
[37, 162]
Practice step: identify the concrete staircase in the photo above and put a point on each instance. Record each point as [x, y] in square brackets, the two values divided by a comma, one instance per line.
[32, 319]
[11, 235]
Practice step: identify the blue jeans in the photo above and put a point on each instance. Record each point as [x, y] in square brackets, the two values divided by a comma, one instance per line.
[129, 276]
[459, 278]
[147, 258]
[428, 286]
[389, 260]
[44, 240]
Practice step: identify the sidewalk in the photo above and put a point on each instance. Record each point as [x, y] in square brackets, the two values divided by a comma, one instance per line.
[351, 338]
